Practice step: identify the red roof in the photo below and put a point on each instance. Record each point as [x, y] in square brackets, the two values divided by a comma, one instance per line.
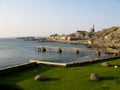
[80, 31]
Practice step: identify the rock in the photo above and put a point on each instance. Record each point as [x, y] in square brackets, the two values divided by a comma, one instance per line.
[106, 64]
[40, 77]
[97, 53]
[94, 76]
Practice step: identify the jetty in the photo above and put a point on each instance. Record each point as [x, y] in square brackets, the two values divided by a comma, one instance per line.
[48, 63]
[82, 61]
[60, 49]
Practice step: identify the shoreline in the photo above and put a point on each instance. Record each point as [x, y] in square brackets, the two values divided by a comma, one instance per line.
[83, 42]
[14, 68]
[95, 46]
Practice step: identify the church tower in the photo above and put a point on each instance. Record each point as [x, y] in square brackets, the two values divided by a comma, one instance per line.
[92, 29]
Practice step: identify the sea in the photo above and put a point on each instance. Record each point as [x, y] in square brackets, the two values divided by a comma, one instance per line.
[15, 51]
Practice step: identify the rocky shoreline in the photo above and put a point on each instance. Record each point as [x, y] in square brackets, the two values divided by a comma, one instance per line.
[107, 40]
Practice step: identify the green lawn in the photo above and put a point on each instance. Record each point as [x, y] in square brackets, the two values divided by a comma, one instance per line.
[74, 78]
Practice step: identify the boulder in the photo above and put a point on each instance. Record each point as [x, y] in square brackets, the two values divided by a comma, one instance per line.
[106, 64]
[94, 76]
[40, 77]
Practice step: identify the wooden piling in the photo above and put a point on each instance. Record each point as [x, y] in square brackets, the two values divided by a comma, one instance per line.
[97, 53]
[77, 52]
[43, 49]
[59, 50]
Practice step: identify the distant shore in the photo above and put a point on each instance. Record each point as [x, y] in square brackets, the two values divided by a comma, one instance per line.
[107, 47]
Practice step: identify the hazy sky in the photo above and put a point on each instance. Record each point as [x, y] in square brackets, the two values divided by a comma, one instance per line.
[45, 17]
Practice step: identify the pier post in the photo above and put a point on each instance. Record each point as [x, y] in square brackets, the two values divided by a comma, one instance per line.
[59, 50]
[77, 52]
[39, 49]
[97, 53]
[43, 49]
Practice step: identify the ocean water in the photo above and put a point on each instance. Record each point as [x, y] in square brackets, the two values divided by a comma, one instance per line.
[17, 51]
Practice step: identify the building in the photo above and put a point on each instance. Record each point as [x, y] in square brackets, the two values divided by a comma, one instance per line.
[80, 33]
[54, 37]
[58, 37]
[92, 29]
[72, 37]
[63, 37]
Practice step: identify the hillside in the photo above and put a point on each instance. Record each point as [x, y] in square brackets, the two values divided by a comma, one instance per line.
[107, 37]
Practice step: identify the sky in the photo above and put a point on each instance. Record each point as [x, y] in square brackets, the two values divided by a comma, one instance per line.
[45, 17]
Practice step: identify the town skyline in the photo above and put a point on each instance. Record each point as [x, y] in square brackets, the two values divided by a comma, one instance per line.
[46, 17]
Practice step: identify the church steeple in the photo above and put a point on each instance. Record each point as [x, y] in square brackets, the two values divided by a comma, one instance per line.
[92, 29]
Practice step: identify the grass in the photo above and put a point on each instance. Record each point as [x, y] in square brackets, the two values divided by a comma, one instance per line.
[74, 78]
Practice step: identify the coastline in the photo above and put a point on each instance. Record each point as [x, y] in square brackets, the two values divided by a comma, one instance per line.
[94, 46]
[81, 42]
[14, 51]
[89, 60]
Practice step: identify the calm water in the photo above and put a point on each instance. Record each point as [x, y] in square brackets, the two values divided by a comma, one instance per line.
[17, 51]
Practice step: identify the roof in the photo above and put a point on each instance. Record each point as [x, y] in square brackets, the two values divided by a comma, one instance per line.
[80, 31]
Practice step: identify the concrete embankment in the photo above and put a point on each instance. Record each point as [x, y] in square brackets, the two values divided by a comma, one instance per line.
[86, 61]
[16, 68]
[48, 63]
[83, 61]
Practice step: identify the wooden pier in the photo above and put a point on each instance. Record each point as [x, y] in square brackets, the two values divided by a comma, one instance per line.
[60, 49]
